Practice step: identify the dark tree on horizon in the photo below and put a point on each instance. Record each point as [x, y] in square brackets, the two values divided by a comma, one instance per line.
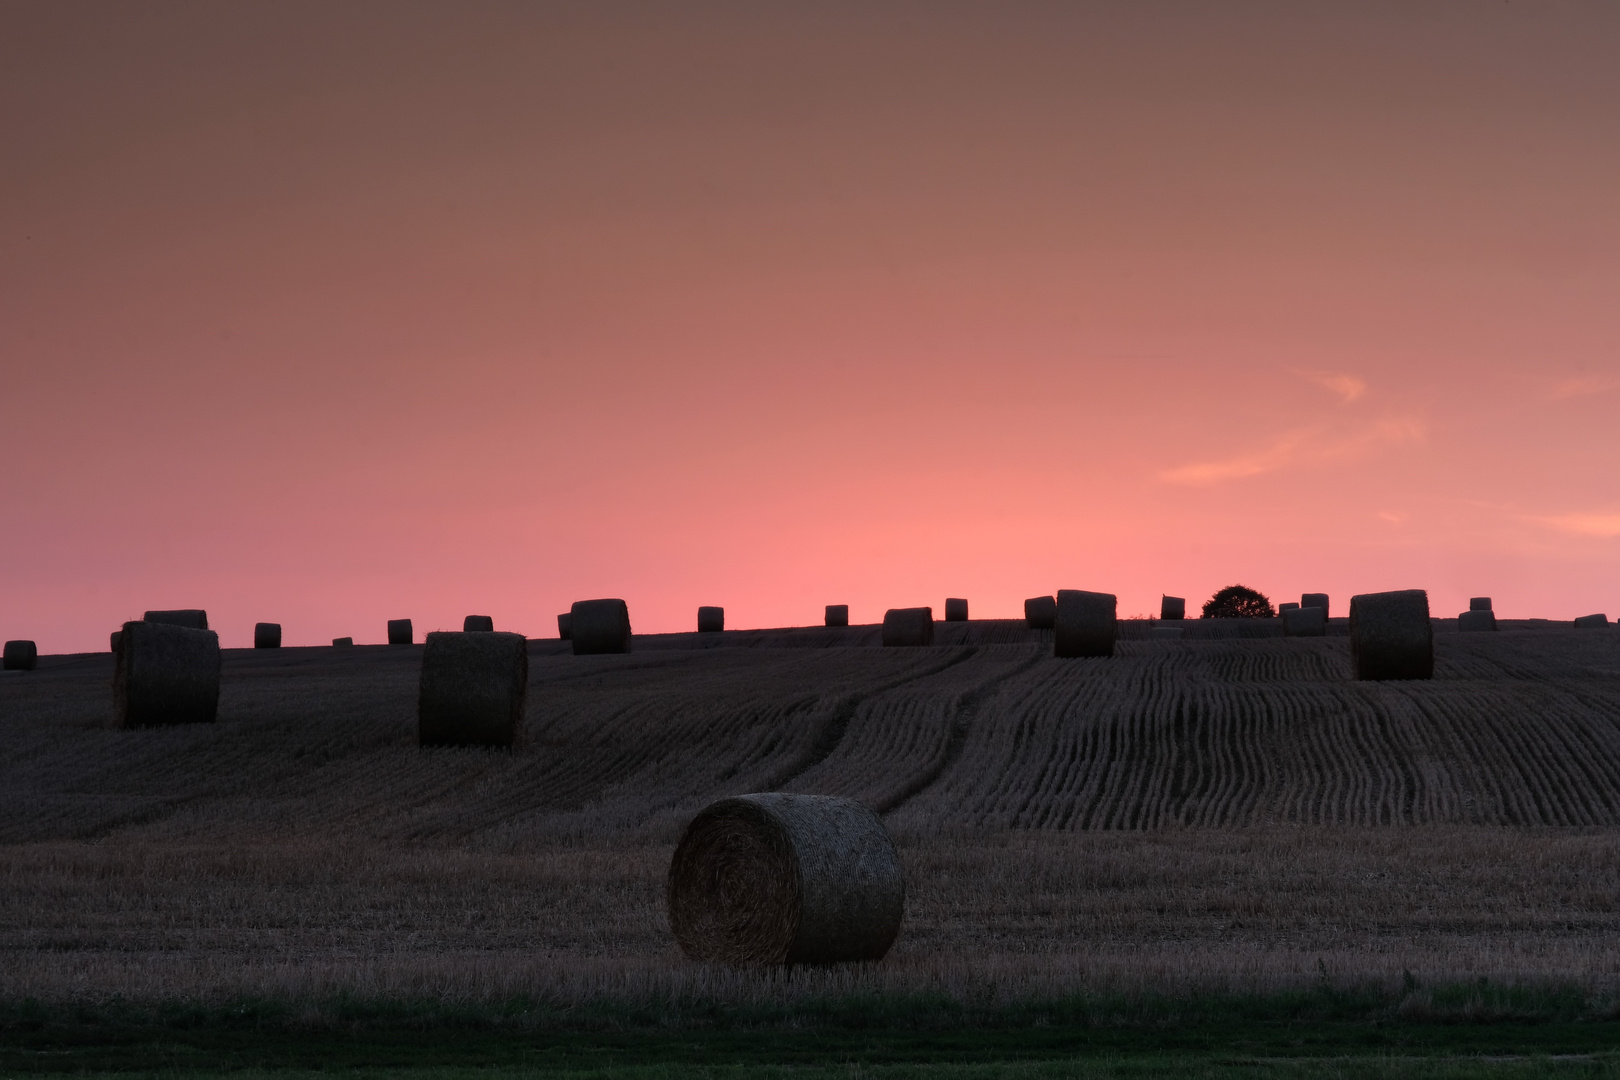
[1238, 602]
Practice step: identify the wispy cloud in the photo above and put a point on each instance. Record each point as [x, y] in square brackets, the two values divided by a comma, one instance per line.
[1603, 525]
[1348, 387]
[1584, 386]
[1302, 447]
[1270, 459]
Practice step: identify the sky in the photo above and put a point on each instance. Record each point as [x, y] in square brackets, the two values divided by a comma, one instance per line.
[327, 314]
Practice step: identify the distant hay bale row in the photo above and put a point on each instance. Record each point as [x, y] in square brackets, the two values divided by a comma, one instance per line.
[472, 688]
[19, 656]
[267, 635]
[1085, 624]
[478, 624]
[599, 626]
[1315, 600]
[1587, 622]
[837, 614]
[908, 627]
[711, 620]
[773, 878]
[194, 618]
[1040, 612]
[400, 632]
[342, 642]
[165, 674]
[1302, 621]
[1172, 608]
[956, 609]
[1391, 636]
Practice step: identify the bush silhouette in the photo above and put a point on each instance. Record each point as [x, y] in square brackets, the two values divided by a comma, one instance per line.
[1238, 602]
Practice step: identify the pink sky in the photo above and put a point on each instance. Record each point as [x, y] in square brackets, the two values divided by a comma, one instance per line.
[329, 314]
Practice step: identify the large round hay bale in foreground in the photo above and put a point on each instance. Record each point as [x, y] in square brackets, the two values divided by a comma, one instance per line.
[1305, 621]
[565, 626]
[955, 609]
[19, 656]
[478, 624]
[1315, 599]
[837, 614]
[1391, 636]
[908, 626]
[1587, 622]
[785, 879]
[165, 674]
[1086, 623]
[711, 620]
[194, 618]
[1172, 607]
[400, 632]
[600, 626]
[1479, 603]
[267, 635]
[1040, 612]
[472, 688]
[1475, 620]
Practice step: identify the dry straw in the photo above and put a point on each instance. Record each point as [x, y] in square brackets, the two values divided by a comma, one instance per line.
[19, 656]
[472, 689]
[711, 620]
[1040, 612]
[785, 879]
[599, 626]
[400, 632]
[267, 635]
[1086, 624]
[908, 626]
[1391, 636]
[955, 609]
[1172, 607]
[1315, 599]
[1476, 620]
[1587, 622]
[194, 618]
[478, 624]
[837, 614]
[165, 674]
[1305, 621]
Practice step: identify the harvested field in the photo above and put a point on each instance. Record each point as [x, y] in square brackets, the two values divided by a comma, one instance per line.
[1205, 812]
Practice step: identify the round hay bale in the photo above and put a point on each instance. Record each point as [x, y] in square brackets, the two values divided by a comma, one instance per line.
[1479, 603]
[1172, 607]
[165, 674]
[267, 635]
[711, 620]
[342, 642]
[600, 626]
[116, 637]
[837, 614]
[955, 609]
[1287, 607]
[1315, 599]
[1085, 624]
[1588, 622]
[478, 624]
[1305, 621]
[785, 879]
[565, 626]
[1391, 636]
[194, 618]
[400, 632]
[472, 689]
[1474, 620]
[1040, 612]
[19, 656]
[908, 626]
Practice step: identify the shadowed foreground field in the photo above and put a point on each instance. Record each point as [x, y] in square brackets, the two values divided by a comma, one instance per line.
[1202, 817]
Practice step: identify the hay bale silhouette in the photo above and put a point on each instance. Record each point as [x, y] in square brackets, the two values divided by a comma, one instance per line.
[1040, 612]
[1172, 607]
[478, 624]
[1287, 607]
[472, 688]
[1391, 636]
[599, 626]
[1587, 622]
[1085, 624]
[116, 637]
[565, 626]
[267, 635]
[908, 626]
[19, 656]
[195, 618]
[1315, 599]
[773, 879]
[711, 620]
[1479, 603]
[1474, 620]
[955, 609]
[400, 632]
[837, 614]
[342, 642]
[165, 674]
[1305, 621]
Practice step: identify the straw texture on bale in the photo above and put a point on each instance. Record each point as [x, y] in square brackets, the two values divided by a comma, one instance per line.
[1287, 607]
[1172, 607]
[1307, 621]
[472, 689]
[1479, 603]
[1315, 599]
[1474, 620]
[908, 626]
[19, 656]
[478, 624]
[1391, 636]
[195, 618]
[837, 614]
[400, 632]
[342, 642]
[599, 626]
[565, 626]
[267, 635]
[711, 620]
[955, 609]
[774, 879]
[165, 674]
[1040, 612]
[1086, 624]
[1586, 622]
